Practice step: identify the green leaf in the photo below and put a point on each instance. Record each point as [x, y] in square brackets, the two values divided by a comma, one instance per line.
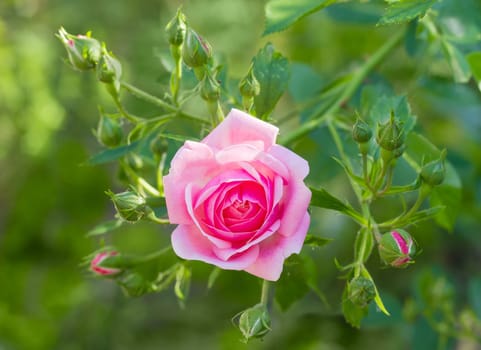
[299, 276]
[281, 14]
[352, 312]
[405, 11]
[380, 112]
[272, 71]
[105, 227]
[315, 241]
[110, 155]
[377, 299]
[420, 151]
[323, 199]
[474, 61]
[458, 63]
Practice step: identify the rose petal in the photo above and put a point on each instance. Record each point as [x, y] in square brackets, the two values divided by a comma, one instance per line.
[275, 250]
[298, 167]
[239, 127]
[192, 154]
[296, 203]
[188, 243]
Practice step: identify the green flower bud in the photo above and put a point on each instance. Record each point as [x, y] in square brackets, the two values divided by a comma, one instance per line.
[361, 291]
[196, 52]
[83, 51]
[434, 172]
[176, 29]
[159, 146]
[390, 135]
[209, 88]
[109, 69]
[130, 206]
[361, 132]
[397, 248]
[255, 322]
[109, 131]
[249, 86]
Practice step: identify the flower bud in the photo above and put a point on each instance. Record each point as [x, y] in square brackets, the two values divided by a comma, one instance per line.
[361, 132]
[176, 29]
[97, 268]
[83, 51]
[109, 69]
[196, 51]
[209, 88]
[255, 322]
[434, 172]
[361, 291]
[398, 152]
[397, 248]
[390, 135]
[249, 85]
[130, 206]
[109, 131]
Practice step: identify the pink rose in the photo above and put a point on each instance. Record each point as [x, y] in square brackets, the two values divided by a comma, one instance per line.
[238, 198]
[95, 264]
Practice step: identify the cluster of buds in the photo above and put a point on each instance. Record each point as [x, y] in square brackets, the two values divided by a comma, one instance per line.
[397, 248]
[87, 53]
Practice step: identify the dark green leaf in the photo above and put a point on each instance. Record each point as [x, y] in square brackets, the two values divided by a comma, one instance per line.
[272, 71]
[105, 227]
[280, 14]
[315, 241]
[458, 63]
[405, 11]
[110, 155]
[323, 199]
[299, 276]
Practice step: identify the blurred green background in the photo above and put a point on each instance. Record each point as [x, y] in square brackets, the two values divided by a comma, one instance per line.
[49, 199]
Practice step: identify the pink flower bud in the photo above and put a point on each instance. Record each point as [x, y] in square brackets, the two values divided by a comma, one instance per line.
[397, 248]
[97, 268]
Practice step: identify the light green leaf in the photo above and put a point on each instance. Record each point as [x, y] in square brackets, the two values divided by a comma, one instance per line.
[474, 61]
[272, 71]
[405, 11]
[323, 199]
[377, 299]
[281, 14]
[458, 63]
[105, 227]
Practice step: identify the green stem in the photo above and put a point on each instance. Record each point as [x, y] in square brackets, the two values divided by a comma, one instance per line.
[356, 80]
[154, 255]
[147, 97]
[265, 292]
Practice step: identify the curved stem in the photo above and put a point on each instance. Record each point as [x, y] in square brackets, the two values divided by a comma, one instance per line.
[356, 80]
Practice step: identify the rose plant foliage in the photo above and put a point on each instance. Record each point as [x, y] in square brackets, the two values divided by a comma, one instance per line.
[235, 195]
